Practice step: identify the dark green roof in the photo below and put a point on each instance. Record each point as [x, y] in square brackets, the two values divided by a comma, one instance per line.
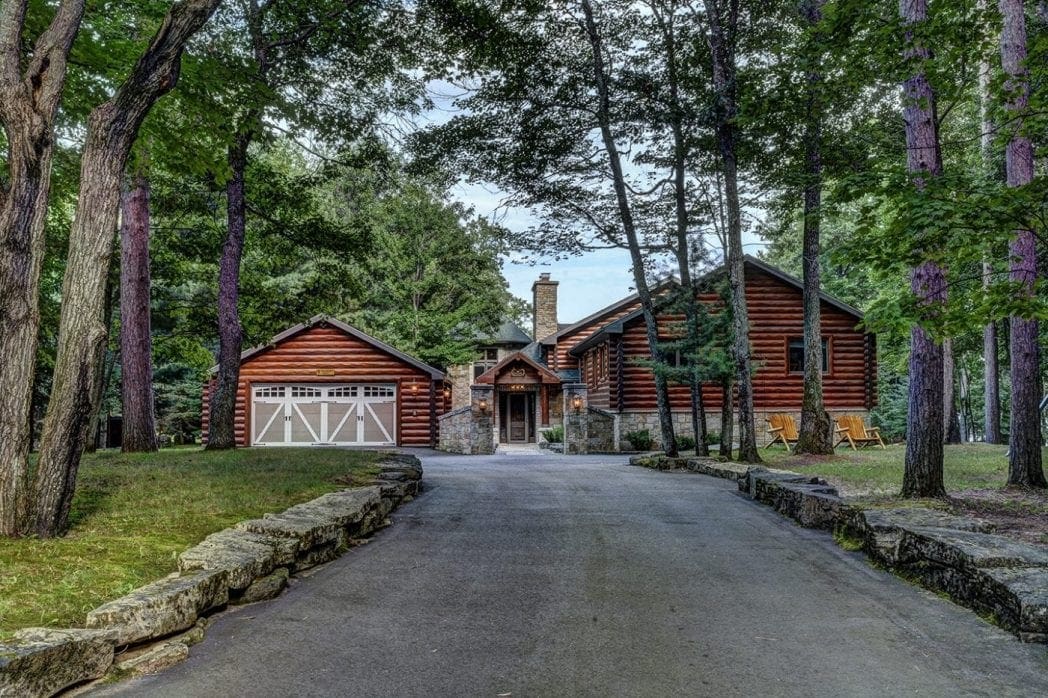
[507, 333]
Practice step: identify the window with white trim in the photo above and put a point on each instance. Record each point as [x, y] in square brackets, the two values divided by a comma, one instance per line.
[378, 391]
[304, 391]
[270, 391]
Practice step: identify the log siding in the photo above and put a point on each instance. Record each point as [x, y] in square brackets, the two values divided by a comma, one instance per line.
[776, 316]
[326, 354]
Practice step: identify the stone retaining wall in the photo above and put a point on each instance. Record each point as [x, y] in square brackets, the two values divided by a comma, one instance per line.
[960, 556]
[154, 626]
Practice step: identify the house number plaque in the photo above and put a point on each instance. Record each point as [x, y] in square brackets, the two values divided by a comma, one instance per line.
[325, 371]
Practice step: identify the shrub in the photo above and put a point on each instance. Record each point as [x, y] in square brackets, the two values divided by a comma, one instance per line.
[685, 443]
[712, 438]
[639, 440]
[554, 435]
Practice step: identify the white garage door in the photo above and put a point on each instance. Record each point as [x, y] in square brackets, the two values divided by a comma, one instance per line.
[305, 414]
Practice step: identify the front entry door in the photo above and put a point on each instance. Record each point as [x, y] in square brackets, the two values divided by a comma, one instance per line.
[518, 418]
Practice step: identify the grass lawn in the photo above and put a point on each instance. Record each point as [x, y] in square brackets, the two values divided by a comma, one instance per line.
[873, 471]
[975, 476]
[133, 514]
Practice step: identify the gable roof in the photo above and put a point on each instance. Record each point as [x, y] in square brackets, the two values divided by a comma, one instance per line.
[322, 319]
[604, 312]
[791, 280]
[547, 375]
[617, 326]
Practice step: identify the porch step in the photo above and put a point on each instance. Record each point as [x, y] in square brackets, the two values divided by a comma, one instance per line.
[518, 450]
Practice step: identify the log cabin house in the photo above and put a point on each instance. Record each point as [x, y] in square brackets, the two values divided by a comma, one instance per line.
[325, 382]
[603, 354]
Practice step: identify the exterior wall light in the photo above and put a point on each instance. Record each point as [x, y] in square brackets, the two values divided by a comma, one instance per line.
[482, 404]
[576, 402]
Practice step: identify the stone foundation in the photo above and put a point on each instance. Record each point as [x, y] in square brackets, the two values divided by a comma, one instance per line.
[636, 420]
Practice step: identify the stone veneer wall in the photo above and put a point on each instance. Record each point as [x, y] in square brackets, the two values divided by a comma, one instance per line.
[455, 429]
[576, 430]
[600, 431]
[470, 429]
[460, 377]
[649, 419]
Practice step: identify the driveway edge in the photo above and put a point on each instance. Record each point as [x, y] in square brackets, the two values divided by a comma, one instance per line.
[1000, 578]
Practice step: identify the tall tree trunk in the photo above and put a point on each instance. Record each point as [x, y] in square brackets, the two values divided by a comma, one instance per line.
[221, 432]
[727, 422]
[106, 359]
[948, 396]
[698, 419]
[923, 474]
[136, 345]
[721, 41]
[1024, 456]
[991, 378]
[991, 367]
[683, 249]
[30, 92]
[111, 131]
[662, 399]
[816, 434]
[951, 425]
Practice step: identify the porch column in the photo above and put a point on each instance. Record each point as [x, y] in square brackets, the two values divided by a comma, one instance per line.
[576, 410]
[482, 421]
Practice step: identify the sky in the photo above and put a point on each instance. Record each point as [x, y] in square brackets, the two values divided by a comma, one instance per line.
[588, 282]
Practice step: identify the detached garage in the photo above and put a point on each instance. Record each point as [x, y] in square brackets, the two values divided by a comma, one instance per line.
[327, 383]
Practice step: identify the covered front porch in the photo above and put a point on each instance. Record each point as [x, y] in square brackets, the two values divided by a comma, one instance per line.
[526, 399]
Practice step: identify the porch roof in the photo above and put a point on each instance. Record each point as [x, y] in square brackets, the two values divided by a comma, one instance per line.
[546, 376]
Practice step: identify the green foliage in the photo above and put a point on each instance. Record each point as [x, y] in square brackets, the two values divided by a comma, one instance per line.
[435, 277]
[685, 443]
[554, 435]
[700, 353]
[639, 440]
[890, 413]
[356, 238]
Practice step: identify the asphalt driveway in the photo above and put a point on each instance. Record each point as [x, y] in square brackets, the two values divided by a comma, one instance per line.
[554, 576]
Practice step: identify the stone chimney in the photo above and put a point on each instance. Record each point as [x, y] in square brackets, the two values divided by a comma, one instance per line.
[544, 307]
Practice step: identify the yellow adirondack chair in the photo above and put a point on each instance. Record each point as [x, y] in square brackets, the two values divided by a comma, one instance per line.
[783, 429]
[853, 429]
